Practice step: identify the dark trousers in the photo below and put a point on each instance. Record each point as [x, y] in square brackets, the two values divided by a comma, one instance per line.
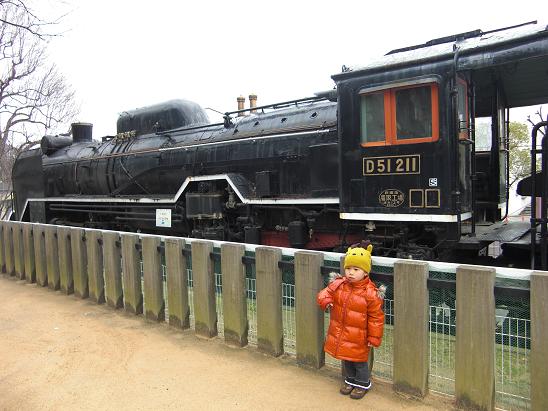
[356, 374]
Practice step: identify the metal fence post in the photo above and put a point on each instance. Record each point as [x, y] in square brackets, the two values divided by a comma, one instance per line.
[234, 294]
[539, 337]
[96, 281]
[112, 258]
[411, 342]
[131, 274]
[474, 346]
[205, 314]
[270, 337]
[52, 257]
[153, 279]
[177, 284]
[309, 319]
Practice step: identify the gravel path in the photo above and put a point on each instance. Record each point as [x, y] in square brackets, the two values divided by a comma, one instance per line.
[61, 353]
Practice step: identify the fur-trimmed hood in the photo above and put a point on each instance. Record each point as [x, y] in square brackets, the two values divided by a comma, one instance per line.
[381, 288]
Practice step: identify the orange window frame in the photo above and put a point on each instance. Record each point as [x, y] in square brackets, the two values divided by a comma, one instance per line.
[390, 117]
[463, 135]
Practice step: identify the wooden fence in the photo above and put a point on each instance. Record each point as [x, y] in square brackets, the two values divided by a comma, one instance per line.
[105, 267]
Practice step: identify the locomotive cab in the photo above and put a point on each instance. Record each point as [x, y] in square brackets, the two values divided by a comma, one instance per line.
[393, 132]
[409, 168]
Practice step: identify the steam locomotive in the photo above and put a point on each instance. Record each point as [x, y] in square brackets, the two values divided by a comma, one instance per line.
[389, 155]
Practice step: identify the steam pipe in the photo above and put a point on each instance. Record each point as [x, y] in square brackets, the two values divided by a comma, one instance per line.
[507, 149]
[280, 105]
[472, 117]
[455, 139]
[533, 218]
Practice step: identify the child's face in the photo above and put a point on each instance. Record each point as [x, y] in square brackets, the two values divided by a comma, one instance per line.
[354, 274]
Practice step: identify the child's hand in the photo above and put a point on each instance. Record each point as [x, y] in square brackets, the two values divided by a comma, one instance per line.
[328, 307]
[373, 341]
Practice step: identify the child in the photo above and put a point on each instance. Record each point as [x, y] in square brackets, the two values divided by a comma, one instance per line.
[357, 320]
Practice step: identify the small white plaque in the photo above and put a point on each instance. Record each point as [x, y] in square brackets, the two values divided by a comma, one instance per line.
[163, 217]
[433, 182]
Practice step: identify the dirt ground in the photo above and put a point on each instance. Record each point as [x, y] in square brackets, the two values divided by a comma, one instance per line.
[58, 352]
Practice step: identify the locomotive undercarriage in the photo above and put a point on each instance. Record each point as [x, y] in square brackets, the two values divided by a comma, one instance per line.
[211, 210]
[223, 218]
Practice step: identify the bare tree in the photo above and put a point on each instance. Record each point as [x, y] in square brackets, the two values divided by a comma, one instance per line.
[31, 23]
[541, 117]
[35, 98]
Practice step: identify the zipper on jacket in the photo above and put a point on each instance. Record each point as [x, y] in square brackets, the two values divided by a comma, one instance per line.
[343, 319]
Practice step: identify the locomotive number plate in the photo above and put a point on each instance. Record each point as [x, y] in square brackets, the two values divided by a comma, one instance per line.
[388, 165]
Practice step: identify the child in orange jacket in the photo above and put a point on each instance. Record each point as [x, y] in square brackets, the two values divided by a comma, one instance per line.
[356, 320]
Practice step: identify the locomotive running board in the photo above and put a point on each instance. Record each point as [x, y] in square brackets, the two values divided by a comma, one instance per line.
[238, 183]
[431, 218]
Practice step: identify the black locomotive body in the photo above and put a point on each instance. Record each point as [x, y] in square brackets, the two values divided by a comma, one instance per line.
[271, 176]
[389, 155]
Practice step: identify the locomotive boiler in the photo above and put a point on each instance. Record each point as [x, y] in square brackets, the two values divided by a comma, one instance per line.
[388, 155]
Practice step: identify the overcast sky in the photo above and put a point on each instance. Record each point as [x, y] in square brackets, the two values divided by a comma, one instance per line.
[123, 54]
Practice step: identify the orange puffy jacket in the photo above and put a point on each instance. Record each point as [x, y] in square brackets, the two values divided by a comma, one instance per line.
[356, 318]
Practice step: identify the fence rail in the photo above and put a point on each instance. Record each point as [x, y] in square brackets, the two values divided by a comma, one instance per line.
[264, 296]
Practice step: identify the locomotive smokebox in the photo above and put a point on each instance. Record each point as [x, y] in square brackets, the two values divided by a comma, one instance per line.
[81, 132]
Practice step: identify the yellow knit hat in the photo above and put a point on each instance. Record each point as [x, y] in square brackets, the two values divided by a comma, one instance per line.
[359, 257]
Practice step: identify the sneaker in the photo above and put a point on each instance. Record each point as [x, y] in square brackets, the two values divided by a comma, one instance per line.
[346, 388]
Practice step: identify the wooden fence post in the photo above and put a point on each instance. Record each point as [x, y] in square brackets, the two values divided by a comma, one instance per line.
[203, 276]
[52, 257]
[112, 256]
[131, 274]
[474, 347]
[153, 279]
[66, 283]
[411, 318]
[8, 248]
[79, 262]
[28, 253]
[234, 294]
[309, 318]
[270, 337]
[18, 251]
[96, 281]
[539, 336]
[177, 284]
[40, 254]
[2, 249]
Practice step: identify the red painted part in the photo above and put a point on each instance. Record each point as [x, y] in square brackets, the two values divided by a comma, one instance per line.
[275, 238]
[319, 241]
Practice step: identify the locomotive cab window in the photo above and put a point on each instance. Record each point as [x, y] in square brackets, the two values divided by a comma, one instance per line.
[403, 115]
[372, 118]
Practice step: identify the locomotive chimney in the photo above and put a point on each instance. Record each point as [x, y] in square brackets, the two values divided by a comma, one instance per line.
[81, 132]
[241, 103]
[252, 103]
